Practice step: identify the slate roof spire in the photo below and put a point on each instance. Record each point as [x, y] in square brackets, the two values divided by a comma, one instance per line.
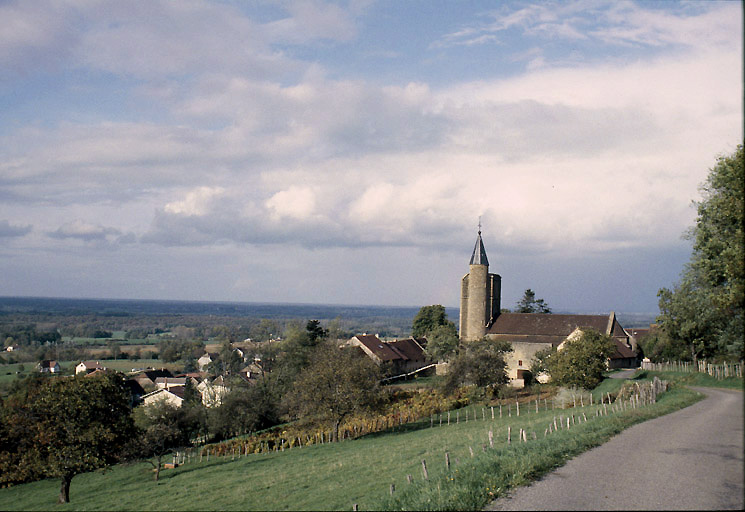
[479, 253]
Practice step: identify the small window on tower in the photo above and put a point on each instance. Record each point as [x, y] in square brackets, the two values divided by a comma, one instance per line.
[520, 362]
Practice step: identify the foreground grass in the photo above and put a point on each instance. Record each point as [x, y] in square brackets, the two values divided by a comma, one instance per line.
[336, 476]
[473, 484]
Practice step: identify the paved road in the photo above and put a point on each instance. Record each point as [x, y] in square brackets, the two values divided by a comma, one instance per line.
[688, 460]
[623, 374]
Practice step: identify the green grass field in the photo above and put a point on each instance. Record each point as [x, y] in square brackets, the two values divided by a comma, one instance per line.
[336, 476]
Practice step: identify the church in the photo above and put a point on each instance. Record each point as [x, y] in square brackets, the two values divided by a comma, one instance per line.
[481, 316]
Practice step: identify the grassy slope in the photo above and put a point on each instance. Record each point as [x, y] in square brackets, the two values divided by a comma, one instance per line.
[334, 477]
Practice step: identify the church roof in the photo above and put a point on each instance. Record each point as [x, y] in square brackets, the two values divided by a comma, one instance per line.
[479, 253]
[537, 324]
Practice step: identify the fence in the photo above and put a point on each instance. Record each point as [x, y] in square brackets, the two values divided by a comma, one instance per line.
[633, 396]
[719, 371]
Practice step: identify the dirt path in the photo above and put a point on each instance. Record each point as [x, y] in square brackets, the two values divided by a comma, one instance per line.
[688, 460]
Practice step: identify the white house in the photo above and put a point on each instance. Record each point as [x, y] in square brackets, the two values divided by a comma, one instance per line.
[88, 367]
[174, 396]
[212, 392]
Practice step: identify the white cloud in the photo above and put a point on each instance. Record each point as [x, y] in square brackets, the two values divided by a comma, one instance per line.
[196, 202]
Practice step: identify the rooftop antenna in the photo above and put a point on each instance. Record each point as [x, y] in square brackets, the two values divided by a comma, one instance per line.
[479, 224]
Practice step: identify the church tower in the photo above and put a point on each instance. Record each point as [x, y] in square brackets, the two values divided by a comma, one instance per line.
[480, 295]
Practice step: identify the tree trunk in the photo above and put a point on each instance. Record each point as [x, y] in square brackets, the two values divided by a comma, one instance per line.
[64, 491]
[157, 469]
[336, 431]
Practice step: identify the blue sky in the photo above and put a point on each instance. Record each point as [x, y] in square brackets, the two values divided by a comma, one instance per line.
[343, 152]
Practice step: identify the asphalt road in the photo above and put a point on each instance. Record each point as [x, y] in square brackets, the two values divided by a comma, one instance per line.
[688, 460]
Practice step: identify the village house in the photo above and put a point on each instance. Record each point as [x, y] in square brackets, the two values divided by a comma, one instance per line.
[174, 396]
[88, 367]
[47, 366]
[206, 359]
[147, 378]
[404, 355]
[213, 391]
[252, 371]
[170, 382]
[528, 333]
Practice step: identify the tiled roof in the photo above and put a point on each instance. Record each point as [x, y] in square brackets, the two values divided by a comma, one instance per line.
[381, 350]
[622, 351]
[537, 324]
[91, 364]
[171, 381]
[409, 349]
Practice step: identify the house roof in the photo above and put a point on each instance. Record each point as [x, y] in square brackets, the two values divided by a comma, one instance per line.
[173, 381]
[538, 324]
[154, 374]
[622, 351]
[134, 387]
[47, 364]
[178, 391]
[381, 350]
[408, 348]
[91, 365]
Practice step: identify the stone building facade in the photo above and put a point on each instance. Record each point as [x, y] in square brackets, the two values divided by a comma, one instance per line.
[529, 333]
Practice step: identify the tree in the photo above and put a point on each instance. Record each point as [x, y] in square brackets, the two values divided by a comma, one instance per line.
[70, 426]
[159, 432]
[228, 362]
[582, 360]
[529, 304]
[427, 319]
[337, 383]
[479, 363]
[442, 342]
[245, 408]
[705, 310]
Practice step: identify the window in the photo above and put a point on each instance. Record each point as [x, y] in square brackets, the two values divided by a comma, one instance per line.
[520, 362]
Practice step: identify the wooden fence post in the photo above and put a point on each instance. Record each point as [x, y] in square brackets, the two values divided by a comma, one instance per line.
[447, 461]
[424, 469]
[491, 439]
[509, 435]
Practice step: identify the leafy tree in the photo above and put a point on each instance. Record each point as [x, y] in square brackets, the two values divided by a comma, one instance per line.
[228, 362]
[480, 363]
[191, 394]
[705, 310]
[581, 361]
[159, 432]
[529, 304]
[442, 342]
[540, 361]
[316, 333]
[428, 318]
[244, 409]
[337, 383]
[68, 426]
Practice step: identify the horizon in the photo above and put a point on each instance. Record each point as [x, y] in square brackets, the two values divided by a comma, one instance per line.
[344, 152]
[310, 304]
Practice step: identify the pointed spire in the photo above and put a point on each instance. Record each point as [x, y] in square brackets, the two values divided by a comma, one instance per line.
[479, 253]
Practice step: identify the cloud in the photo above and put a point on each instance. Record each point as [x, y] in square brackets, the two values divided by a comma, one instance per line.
[699, 24]
[8, 230]
[82, 230]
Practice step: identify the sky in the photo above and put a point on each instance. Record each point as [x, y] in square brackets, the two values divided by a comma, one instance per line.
[343, 152]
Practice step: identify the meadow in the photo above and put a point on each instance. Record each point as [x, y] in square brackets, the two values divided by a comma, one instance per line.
[360, 472]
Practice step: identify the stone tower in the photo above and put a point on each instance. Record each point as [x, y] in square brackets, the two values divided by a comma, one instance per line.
[480, 295]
